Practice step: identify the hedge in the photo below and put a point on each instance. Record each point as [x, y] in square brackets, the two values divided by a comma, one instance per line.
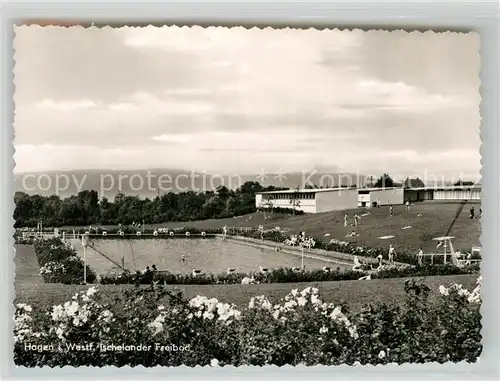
[59, 263]
[135, 329]
[285, 275]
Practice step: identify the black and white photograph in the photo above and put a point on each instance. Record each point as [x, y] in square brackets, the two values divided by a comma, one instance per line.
[230, 196]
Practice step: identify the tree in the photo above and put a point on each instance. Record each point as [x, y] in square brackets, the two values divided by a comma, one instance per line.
[384, 181]
[461, 183]
[413, 183]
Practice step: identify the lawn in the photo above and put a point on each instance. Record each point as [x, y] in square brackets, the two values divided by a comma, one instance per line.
[357, 293]
[27, 269]
[427, 220]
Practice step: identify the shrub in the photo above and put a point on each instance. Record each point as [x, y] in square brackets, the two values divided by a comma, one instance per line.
[59, 262]
[287, 275]
[300, 329]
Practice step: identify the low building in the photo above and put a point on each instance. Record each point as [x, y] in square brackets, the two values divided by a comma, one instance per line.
[309, 200]
[368, 197]
[447, 193]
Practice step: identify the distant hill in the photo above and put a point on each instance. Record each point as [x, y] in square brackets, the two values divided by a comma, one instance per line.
[150, 183]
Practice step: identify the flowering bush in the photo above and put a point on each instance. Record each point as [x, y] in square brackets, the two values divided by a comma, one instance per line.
[137, 329]
[344, 247]
[59, 262]
[458, 291]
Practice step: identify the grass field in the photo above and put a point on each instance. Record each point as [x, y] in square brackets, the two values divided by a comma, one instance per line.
[433, 221]
[27, 268]
[357, 293]
[428, 220]
[31, 289]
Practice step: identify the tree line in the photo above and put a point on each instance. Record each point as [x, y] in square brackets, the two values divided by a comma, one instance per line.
[86, 208]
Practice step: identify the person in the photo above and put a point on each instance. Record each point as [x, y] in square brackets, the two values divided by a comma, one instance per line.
[379, 257]
[183, 259]
[471, 213]
[345, 219]
[357, 263]
[480, 212]
[469, 257]
[408, 205]
[154, 273]
[356, 219]
[420, 256]
[392, 252]
[391, 210]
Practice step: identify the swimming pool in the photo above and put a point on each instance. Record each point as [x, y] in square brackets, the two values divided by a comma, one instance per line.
[211, 256]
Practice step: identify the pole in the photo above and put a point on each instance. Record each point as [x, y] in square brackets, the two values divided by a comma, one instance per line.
[302, 264]
[85, 265]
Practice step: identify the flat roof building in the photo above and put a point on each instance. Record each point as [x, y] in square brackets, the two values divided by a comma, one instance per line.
[333, 199]
[444, 193]
[309, 200]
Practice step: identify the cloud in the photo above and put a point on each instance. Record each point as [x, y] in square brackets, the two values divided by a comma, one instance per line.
[66, 105]
[212, 97]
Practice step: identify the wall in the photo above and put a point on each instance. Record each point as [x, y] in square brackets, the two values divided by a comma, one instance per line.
[364, 198]
[306, 201]
[258, 201]
[474, 194]
[336, 200]
[414, 195]
[386, 197]
[389, 196]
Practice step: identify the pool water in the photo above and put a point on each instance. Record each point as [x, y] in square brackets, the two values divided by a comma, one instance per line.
[208, 255]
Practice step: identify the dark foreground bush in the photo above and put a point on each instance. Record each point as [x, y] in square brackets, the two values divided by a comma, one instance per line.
[136, 330]
[286, 275]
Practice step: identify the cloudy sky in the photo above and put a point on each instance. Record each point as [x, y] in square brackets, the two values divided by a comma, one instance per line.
[236, 100]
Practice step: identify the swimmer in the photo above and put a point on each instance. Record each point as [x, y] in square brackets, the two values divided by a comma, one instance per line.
[183, 259]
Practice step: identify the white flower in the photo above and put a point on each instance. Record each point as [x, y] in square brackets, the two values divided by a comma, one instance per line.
[162, 307]
[260, 302]
[315, 300]
[443, 290]
[214, 362]
[381, 354]
[306, 291]
[71, 308]
[91, 291]
[208, 315]
[156, 326]
[57, 312]
[60, 333]
[301, 301]
[323, 330]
